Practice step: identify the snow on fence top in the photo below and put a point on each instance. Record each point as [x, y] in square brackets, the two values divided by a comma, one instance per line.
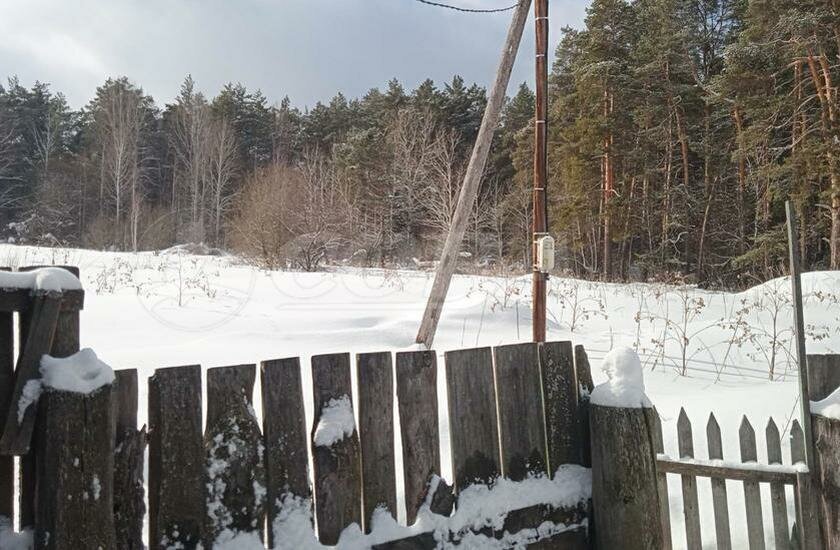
[82, 372]
[47, 279]
[336, 422]
[828, 407]
[625, 385]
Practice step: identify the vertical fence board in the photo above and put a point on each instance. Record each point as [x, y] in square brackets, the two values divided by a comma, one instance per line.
[233, 447]
[418, 409]
[284, 431]
[583, 374]
[7, 369]
[338, 488]
[720, 500]
[520, 411]
[778, 500]
[374, 371]
[129, 454]
[662, 485]
[752, 494]
[177, 511]
[691, 507]
[472, 416]
[75, 448]
[823, 375]
[808, 516]
[560, 402]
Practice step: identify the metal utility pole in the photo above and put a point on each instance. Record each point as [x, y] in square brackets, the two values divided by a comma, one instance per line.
[472, 178]
[540, 213]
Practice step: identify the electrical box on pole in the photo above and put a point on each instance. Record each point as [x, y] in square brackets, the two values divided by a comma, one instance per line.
[545, 254]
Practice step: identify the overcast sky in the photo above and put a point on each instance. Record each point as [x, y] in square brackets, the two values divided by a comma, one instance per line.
[306, 49]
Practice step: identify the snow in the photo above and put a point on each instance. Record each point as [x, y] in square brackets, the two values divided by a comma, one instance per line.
[9, 540]
[230, 540]
[705, 351]
[82, 372]
[45, 279]
[479, 506]
[828, 407]
[625, 385]
[336, 422]
[29, 396]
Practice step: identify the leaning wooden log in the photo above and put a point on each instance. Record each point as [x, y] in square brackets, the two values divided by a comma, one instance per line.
[7, 372]
[75, 449]
[233, 447]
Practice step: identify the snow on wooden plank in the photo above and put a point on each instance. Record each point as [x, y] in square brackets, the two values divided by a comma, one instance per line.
[720, 501]
[20, 420]
[752, 494]
[560, 403]
[233, 447]
[374, 372]
[473, 430]
[284, 433]
[418, 409]
[177, 510]
[337, 467]
[520, 410]
[778, 501]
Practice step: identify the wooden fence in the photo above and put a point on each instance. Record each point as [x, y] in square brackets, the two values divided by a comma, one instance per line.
[514, 410]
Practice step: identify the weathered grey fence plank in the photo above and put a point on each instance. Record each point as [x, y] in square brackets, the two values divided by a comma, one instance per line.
[233, 446]
[129, 455]
[691, 507]
[560, 402]
[720, 500]
[75, 448]
[662, 484]
[823, 375]
[177, 510]
[374, 371]
[808, 515]
[797, 443]
[472, 416]
[625, 496]
[752, 493]
[583, 374]
[20, 420]
[827, 476]
[7, 373]
[521, 419]
[418, 408]
[337, 467]
[778, 501]
[284, 431]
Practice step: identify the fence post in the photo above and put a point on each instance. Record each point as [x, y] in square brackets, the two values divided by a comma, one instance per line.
[625, 497]
[823, 380]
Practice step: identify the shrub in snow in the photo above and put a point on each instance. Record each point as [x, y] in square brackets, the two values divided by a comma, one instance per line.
[336, 422]
[625, 385]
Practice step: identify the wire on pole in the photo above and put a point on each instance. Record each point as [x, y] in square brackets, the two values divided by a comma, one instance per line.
[467, 10]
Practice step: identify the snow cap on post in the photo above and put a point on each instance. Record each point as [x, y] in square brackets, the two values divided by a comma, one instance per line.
[828, 407]
[82, 372]
[625, 385]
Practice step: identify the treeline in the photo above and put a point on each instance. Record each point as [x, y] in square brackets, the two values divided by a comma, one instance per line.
[677, 130]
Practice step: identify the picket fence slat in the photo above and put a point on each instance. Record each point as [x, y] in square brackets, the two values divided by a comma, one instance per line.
[177, 511]
[520, 411]
[284, 433]
[560, 403]
[691, 507]
[337, 467]
[473, 430]
[234, 453]
[720, 501]
[797, 443]
[418, 409]
[374, 371]
[130, 447]
[752, 493]
[662, 485]
[778, 500]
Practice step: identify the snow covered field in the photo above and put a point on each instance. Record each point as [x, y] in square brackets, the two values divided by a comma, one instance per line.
[705, 351]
